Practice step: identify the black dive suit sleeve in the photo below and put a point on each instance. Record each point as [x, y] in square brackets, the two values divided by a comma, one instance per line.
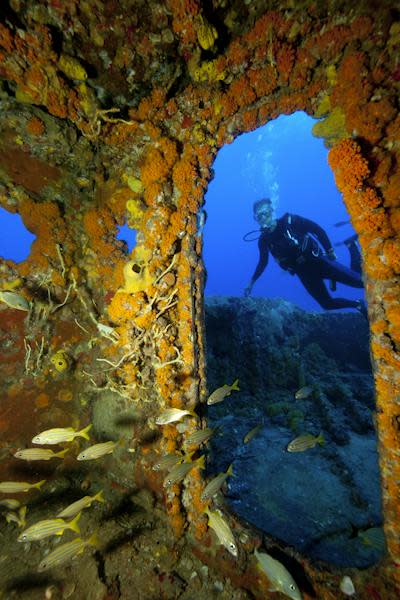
[263, 259]
[303, 226]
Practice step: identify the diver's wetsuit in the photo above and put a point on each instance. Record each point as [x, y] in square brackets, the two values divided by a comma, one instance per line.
[294, 245]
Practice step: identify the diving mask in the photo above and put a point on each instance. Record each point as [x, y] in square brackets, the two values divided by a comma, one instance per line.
[265, 215]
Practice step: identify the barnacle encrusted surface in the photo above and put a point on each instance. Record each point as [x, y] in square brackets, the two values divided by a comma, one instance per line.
[112, 113]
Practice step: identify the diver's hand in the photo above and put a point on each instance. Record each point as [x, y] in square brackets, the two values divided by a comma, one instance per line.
[331, 254]
[247, 291]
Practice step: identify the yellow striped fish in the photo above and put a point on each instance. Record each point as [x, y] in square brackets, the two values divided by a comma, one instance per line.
[39, 454]
[222, 392]
[14, 487]
[59, 435]
[215, 484]
[280, 579]
[171, 415]
[252, 433]
[76, 507]
[168, 461]
[48, 527]
[179, 472]
[14, 300]
[19, 519]
[66, 552]
[305, 442]
[217, 522]
[199, 437]
[97, 451]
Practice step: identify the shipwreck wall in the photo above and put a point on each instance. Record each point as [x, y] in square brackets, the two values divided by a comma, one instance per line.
[113, 113]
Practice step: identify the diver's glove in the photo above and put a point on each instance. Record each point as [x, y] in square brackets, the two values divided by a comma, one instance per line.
[331, 254]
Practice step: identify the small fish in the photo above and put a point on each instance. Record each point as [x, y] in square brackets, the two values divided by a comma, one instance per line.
[341, 223]
[60, 435]
[171, 415]
[12, 517]
[14, 487]
[19, 519]
[347, 586]
[375, 537]
[304, 392]
[215, 484]
[14, 300]
[66, 552]
[217, 522]
[179, 472]
[199, 437]
[220, 393]
[305, 442]
[48, 527]
[97, 451]
[252, 433]
[10, 503]
[168, 461]
[76, 507]
[279, 577]
[39, 454]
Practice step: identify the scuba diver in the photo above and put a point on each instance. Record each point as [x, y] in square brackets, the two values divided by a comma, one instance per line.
[302, 248]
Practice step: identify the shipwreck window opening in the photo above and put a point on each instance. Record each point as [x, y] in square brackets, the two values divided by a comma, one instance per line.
[128, 236]
[301, 370]
[283, 161]
[15, 238]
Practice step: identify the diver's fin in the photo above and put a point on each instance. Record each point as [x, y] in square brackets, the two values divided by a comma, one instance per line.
[348, 241]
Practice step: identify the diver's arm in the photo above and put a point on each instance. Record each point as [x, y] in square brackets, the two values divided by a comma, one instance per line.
[307, 226]
[261, 265]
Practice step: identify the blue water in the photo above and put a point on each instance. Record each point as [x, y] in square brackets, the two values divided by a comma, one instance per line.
[281, 160]
[128, 235]
[15, 239]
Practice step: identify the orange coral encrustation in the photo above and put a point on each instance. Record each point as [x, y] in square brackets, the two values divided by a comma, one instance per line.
[372, 222]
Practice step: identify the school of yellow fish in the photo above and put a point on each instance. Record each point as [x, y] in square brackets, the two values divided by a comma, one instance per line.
[178, 466]
[68, 518]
